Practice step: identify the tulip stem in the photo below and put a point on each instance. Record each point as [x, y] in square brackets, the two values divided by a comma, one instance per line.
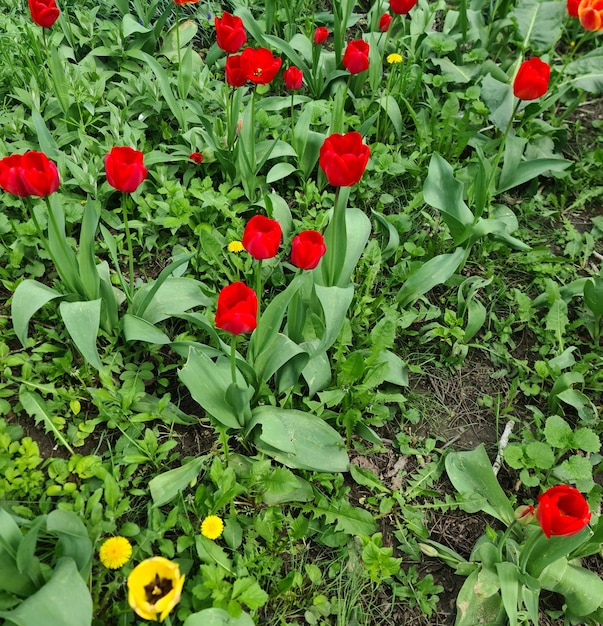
[258, 283]
[130, 290]
[292, 120]
[336, 240]
[233, 358]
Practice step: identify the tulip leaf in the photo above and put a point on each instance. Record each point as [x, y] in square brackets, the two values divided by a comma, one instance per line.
[434, 272]
[498, 97]
[168, 485]
[472, 476]
[474, 608]
[445, 193]
[280, 171]
[298, 440]
[588, 71]
[208, 383]
[63, 601]
[82, 321]
[29, 297]
[73, 540]
[137, 329]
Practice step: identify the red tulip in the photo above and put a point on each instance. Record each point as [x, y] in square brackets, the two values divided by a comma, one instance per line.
[590, 13]
[237, 309]
[343, 158]
[44, 12]
[262, 237]
[235, 76]
[124, 168]
[402, 7]
[572, 7]
[293, 78]
[321, 34]
[307, 249]
[183, 2]
[355, 57]
[29, 174]
[562, 510]
[385, 22]
[230, 32]
[196, 157]
[532, 79]
[260, 65]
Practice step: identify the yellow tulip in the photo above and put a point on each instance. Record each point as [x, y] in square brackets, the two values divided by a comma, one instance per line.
[154, 588]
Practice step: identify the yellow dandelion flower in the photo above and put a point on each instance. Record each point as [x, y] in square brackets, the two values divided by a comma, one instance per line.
[115, 552]
[154, 588]
[212, 527]
[394, 57]
[235, 246]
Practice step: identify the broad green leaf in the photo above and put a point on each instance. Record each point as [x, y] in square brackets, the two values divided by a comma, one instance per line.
[557, 320]
[37, 408]
[390, 106]
[434, 272]
[588, 72]
[335, 302]
[130, 25]
[459, 74]
[283, 486]
[82, 321]
[208, 382]
[280, 171]
[508, 577]
[593, 295]
[86, 261]
[247, 590]
[47, 143]
[581, 589]
[217, 617]
[528, 170]
[472, 476]
[137, 329]
[348, 519]
[558, 433]
[188, 29]
[29, 297]
[499, 99]
[445, 193]
[473, 608]
[539, 24]
[210, 552]
[73, 539]
[166, 486]
[63, 601]
[298, 440]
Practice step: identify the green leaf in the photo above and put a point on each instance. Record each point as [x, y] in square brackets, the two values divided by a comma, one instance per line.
[217, 617]
[137, 329]
[472, 476]
[558, 432]
[539, 24]
[587, 440]
[35, 407]
[508, 577]
[73, 539]
[63, 601]
[82, 321]
[208, 383]
[588, 72]
[174, 296]
[248, 591]
[593, 295]
[298, 440]
[390, 106]
[348, 519]
[29, 297]
[280, 171]
[443, 192]
[476, 608]
[557, 320]
[168, 485]
[434, 272]
[210, 552]
[47, 143]
[499, 99]
[282, 485]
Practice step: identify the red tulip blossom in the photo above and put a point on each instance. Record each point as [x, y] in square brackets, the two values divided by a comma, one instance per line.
[29, 174]
[259, 65]
[385, 22]
[262, 237]
[321, 34]
[532, 79]
[196, 157]
[125, 168]
[44, 12]
[572, 7]
[230, 32]
[402, 7]
[343, 158]
[307, 249]
[293, 78]
[590, 13]
[183, 2]
[237, 309]
[235, 76]
[562, 510]
[355, 57]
